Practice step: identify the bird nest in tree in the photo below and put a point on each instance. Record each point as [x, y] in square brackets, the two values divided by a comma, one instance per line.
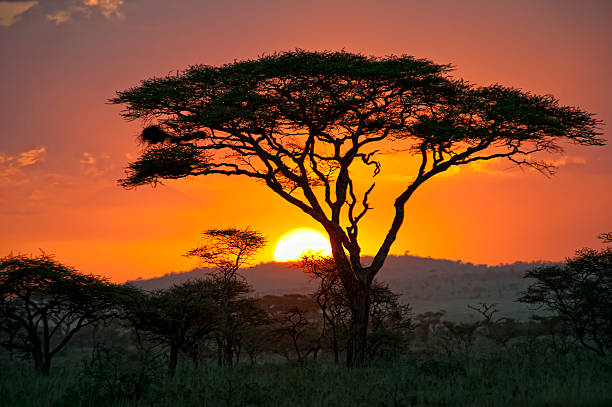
[153, 135]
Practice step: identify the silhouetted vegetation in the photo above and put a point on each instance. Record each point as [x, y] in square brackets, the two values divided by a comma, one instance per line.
[579, 293]
[389, 320]
[177, 318]
[44, 303]
[228, 250]
[166, 347]
[302, 122]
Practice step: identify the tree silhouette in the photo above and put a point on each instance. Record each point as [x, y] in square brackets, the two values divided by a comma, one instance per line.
[390, 321]
[44, 303]
[177, 317]
[330, 295]
[606, 237]
[304, 122]
[226, 251]
[238, 313]
[580, 291]
[387, 316]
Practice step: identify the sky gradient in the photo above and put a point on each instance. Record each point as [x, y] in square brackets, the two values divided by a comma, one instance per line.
[62, 146]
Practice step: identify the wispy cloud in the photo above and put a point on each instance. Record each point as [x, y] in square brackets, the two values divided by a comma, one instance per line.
[31, 157]
[569, 160]
[87, 159]
[96, 165]
[11, 11]
[86, 8]
[11, 166]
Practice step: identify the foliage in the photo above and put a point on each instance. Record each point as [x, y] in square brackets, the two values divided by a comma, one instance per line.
[44, 303]
[389, 321]
[500, 330]
[303, 122]
[330, 296]
[560, 332]
[606, 237]
[228, 250]
[177, 318]
[239, 315]
[580, 292]
[293, 328]
[114, 375]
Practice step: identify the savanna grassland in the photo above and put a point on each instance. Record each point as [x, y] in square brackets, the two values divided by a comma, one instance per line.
[527, 375]
[70, 339]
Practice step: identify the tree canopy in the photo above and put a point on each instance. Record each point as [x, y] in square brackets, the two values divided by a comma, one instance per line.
[44, 303]
[298, 120]
[580, 292]
[228, 250]
[303, 122]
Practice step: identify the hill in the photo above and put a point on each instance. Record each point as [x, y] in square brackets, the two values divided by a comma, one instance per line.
[427, 284]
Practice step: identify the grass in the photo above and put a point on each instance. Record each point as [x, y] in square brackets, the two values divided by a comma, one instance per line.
[537, 378]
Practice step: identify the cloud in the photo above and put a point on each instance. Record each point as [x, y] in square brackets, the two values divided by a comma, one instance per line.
[97, 165]
[31, 157]
[11, 166]
[108, 8]
[493, 167]
[569, 160]
[86, 8]
[505, 168]
[59, 17]
[87, 159]
[10, 11]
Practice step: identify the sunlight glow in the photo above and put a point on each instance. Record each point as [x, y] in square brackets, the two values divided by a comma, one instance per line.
[295, 242]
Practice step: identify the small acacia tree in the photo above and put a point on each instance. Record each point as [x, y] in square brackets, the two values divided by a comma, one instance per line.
[44, 303]
[178, 317]
[227, 251]
[387, 316]
[330, 295]
[580, 292]
[302, 122]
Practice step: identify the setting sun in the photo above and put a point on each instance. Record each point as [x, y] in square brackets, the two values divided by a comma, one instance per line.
[295, 242]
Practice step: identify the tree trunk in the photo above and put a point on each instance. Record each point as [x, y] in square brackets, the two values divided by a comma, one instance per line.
[228, 351]
[42, 362]
[46, 366]
[219, 352]
[195, 355]
[173, 359]
[227, 340]
[335, 345]
[237, 351]
[356, 282]
[37, 357]
[357, 340]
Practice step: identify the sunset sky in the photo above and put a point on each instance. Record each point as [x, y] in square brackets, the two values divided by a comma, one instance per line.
[62, 146]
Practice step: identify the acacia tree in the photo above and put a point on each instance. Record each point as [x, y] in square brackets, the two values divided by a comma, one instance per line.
[330, 295]
[387, 316]
[44, 303]
[226, 251]
[580, 291]
[302, 122]
[178, 317]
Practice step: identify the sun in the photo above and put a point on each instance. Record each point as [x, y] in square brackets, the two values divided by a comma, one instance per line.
[294, 243]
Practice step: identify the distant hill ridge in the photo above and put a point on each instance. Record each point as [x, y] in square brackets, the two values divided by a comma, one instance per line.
[427, 284]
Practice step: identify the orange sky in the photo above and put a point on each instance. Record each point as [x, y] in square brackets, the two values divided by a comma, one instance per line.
[62, 147]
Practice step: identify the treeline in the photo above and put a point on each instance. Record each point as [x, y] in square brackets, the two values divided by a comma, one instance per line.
[47, 309]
